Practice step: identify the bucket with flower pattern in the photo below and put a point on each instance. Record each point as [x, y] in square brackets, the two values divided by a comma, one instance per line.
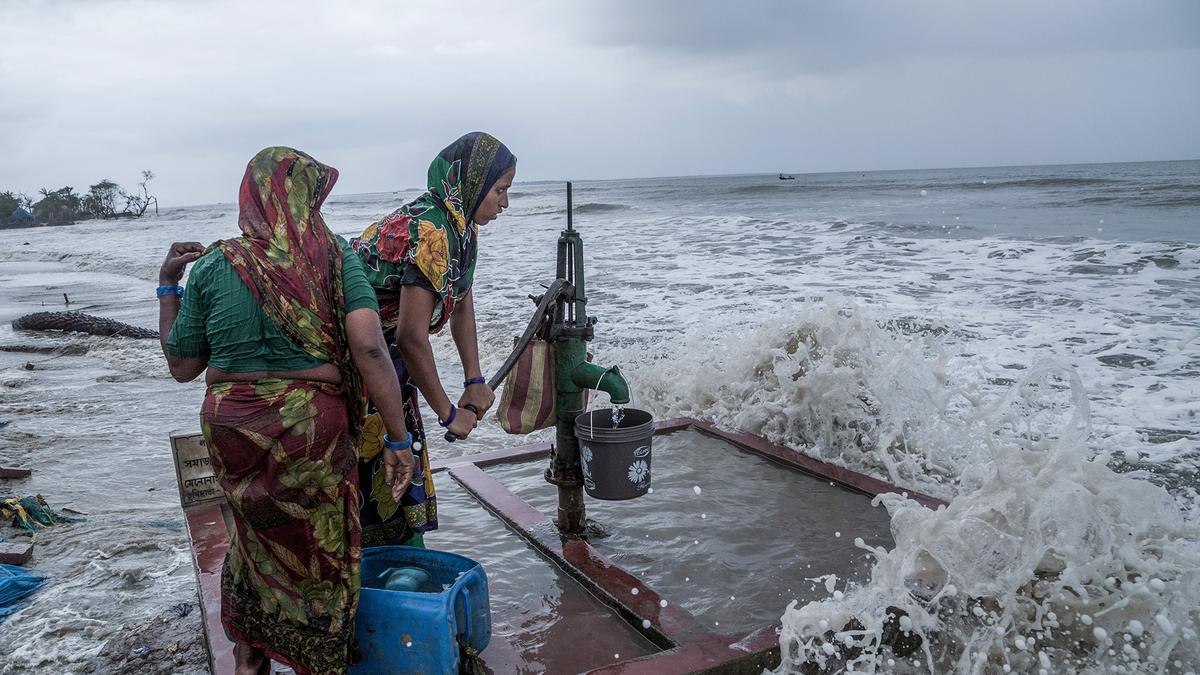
[615, 458]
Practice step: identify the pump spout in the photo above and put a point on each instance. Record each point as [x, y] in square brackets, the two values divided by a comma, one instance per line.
[610, 380]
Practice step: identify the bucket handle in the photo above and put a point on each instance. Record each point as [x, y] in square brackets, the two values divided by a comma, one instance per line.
[465, 633]
[587, 407]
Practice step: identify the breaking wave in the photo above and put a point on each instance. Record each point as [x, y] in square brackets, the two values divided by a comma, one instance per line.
[1045, 558]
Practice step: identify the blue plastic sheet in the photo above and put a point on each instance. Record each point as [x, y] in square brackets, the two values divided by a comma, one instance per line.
[16, 584]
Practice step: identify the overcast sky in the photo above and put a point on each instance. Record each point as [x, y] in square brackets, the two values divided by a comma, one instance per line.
[192, 89]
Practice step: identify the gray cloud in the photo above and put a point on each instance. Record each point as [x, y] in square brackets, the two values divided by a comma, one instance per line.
[832, 37]
[586, 90]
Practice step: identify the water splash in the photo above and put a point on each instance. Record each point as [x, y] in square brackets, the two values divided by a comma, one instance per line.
[1045, 558]
[618, 414]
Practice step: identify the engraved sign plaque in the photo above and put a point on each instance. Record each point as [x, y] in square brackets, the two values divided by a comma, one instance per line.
[194, 471]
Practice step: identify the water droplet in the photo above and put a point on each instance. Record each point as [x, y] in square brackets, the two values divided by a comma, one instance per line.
[837, 534]
[634, 591]
[645, 623]
[696, 489]
[703, 515]
[662, 603]
[923, 193]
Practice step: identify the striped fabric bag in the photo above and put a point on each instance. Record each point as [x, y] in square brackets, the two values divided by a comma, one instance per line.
[527, 402]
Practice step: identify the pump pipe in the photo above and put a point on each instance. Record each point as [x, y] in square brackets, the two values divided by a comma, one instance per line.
[561, 317]
[571, 330]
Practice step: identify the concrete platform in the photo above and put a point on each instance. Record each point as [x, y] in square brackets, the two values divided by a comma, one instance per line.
[685, 644]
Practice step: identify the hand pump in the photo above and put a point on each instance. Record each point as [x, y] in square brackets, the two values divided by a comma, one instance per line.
[571, 329]
[561, 317]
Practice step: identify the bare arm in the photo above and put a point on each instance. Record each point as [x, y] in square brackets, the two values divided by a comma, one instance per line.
[412, 337]
[183, 369]
[372, 361]
[462, 328]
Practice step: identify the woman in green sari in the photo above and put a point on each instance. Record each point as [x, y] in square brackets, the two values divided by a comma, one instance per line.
[420, 259]
[285, 327]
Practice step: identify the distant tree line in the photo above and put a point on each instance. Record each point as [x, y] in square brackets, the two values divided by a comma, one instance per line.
[105, 199]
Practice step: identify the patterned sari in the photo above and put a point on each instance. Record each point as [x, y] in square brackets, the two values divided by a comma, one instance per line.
[432, 242]
[284, 450]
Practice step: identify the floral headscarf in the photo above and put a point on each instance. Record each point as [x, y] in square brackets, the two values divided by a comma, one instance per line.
[292, 263]
[436, 232]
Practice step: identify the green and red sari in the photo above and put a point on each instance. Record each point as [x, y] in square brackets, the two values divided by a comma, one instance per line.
[430, 242]
[285, 450]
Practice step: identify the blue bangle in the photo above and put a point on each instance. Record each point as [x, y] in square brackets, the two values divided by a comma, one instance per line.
[164, 291]
[398, 445]
[450, 419]
[478, 379]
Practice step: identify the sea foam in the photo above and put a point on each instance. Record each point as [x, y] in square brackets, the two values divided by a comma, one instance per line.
[1039, 532]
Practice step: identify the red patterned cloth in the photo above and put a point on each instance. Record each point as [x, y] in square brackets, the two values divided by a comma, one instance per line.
[292, 263]
[285, 461]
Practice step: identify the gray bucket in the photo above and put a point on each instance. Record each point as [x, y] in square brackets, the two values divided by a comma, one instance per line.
[616, 462]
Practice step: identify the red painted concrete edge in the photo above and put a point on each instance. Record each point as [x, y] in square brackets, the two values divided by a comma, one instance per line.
[515, 454]
[716, 655]
[532, 451]
[845, 477]
[611, 584]
[206, 529]
[696, 650]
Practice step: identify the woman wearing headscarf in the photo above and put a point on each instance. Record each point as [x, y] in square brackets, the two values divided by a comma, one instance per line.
[420, 259]
[286, 326]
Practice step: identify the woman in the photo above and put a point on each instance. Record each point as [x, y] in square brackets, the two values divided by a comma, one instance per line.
[421, 261]
[286, 326]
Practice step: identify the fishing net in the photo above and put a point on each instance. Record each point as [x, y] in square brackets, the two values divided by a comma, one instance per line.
[31, 513]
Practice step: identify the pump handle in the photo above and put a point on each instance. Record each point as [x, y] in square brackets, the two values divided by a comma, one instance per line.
[558, 288]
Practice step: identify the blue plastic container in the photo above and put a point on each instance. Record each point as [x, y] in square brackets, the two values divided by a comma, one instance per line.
[414, 632]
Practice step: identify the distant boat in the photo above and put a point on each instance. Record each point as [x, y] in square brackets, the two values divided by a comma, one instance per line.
[786, 177]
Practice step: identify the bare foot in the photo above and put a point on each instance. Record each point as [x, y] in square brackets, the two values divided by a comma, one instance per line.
[249, 660]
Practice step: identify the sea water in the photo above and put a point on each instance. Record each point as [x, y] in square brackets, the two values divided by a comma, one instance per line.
[1023, 342]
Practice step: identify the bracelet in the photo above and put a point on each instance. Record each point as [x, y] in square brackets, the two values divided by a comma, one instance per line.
[478, 379]
[164, 291]
[450, 419]
[398, 445]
